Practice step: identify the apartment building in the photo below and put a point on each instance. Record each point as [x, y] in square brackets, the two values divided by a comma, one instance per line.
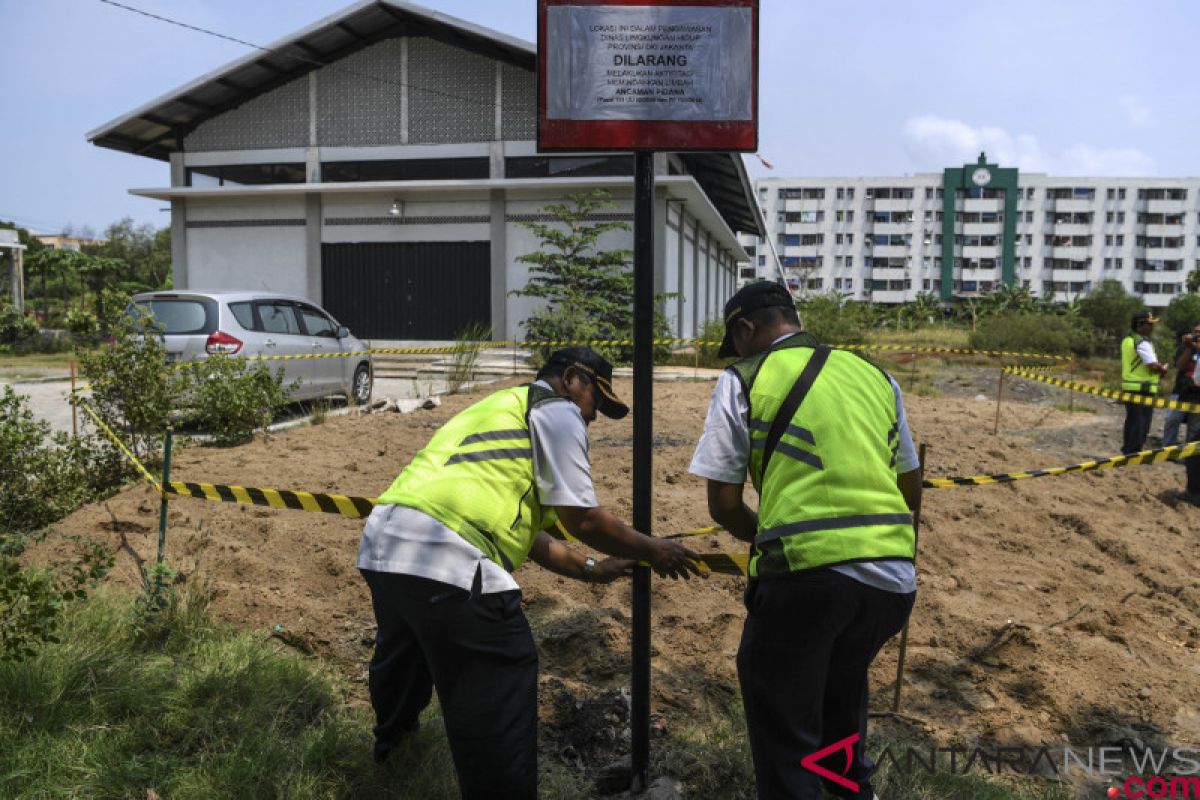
[969, 229]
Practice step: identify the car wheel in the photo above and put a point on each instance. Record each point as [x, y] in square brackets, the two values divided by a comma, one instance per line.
[360, 389]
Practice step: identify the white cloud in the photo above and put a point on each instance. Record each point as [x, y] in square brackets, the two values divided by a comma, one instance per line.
[933, 142]
[1136, 112]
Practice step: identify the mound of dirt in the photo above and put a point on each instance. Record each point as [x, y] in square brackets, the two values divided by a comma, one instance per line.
[1053, 609]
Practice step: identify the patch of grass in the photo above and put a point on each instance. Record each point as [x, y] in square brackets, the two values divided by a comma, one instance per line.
[180, 704]
[23, 363]
[1078, 408]
[930, 336]
[712, 758]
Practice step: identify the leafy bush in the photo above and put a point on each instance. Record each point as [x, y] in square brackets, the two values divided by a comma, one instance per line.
[1034, 333]
[1108, 307]
[45, 477]
[132, 387]
[82, 324]
[15, 327]
[835, 320]
[1182, 314]
[32, 602]
[230, 398]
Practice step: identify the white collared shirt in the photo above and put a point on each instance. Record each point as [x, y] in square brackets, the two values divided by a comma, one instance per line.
[723, 454]
[406, 541]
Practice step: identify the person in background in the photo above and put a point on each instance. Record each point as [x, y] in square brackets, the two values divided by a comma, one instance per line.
[1188, 364]
[1140, 373]
[1176, 418]
[438, 551]
[824, 437]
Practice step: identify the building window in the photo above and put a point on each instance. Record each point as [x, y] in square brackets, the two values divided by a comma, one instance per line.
[555, 167]
[1120, 217]
[417, 169]
[1112, 194]
[850, 193]
[837, 238]
[245, 174]
[839, 216]
[841, 193]
[849, 261]
[928, 192]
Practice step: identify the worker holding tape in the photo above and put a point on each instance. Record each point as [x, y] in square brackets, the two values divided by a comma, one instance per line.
[1140, 371]
[439, 550]
[824, 437]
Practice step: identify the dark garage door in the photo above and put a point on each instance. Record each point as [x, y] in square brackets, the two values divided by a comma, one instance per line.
[407, 290]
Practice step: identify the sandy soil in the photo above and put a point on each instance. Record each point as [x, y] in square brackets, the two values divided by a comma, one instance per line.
[1050, 610]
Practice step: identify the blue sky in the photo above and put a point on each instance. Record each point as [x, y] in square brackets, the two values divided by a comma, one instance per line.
[1105, 87]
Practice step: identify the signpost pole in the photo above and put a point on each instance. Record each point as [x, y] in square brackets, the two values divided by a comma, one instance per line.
[643, 433]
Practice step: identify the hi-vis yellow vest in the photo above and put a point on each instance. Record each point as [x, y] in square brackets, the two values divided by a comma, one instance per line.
[829, 495]
[1136, 376]
[476, 476]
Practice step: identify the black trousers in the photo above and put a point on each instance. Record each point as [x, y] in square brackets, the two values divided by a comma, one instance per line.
[478, 651]
[1193, 463]
[808, 641]
[1137, 426]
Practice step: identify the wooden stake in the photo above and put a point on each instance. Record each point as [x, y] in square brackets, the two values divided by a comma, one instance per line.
[904, 632]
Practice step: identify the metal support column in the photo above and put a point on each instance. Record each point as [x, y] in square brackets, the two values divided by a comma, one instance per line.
[643, 432]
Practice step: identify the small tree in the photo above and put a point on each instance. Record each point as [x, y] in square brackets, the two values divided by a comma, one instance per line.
[588, 291]
[1108, 307]
[1182, 314]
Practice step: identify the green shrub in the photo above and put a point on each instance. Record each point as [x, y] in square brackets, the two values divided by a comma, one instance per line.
[15, 327]
[835, 320]
[231, 398]
[133, 389]
[1034, 333]
[1181, 315]
[1108, 307]
[82, 324]
[45, 477]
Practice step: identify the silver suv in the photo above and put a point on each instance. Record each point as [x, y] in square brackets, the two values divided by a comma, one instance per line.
[197, 324]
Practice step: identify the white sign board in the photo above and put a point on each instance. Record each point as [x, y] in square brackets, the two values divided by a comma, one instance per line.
[668, 63]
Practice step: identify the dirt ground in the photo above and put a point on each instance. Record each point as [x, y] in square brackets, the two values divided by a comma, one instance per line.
[1052, 610]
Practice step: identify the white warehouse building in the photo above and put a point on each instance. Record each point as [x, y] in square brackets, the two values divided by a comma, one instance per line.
[381, 161]
[972, 228]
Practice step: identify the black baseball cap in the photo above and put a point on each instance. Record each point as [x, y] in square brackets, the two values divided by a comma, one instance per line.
[1142, 316]
[752, 297]
[592, 364]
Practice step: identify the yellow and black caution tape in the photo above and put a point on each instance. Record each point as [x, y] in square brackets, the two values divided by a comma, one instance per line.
[1158, 456]
[120, 445]
[1124, 397]
[341, 504]
[961, 351]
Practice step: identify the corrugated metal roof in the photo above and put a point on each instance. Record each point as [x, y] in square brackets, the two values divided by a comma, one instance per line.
[158, 128]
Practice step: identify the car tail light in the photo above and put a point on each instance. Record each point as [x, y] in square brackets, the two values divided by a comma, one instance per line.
[221, 342]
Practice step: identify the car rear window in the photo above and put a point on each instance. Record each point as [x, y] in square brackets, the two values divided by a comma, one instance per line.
[180, 316]
[244, 314]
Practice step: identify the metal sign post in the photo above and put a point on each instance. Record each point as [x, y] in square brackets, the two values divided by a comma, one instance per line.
[646, 76]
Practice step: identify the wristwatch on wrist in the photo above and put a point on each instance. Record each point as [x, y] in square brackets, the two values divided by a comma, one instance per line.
[589, 568]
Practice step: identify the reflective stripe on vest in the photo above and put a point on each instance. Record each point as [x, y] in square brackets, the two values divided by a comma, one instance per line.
[1135, 375]
[476, 476]
[829, 495]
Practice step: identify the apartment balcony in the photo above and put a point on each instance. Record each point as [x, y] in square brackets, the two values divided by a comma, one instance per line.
[892, 204]
[889, 296]
[1067, 275]
[1161, 253]
[981, 251]
[803, 205]
[801, 250]
[1164, 230]
[892, 228]
[982, 205]
[1158, 300]
[990, 274]
[1070, 253]
[1071, 229]
[982, 228]
[1166, 206]
[1073, 205]
[888, 250]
